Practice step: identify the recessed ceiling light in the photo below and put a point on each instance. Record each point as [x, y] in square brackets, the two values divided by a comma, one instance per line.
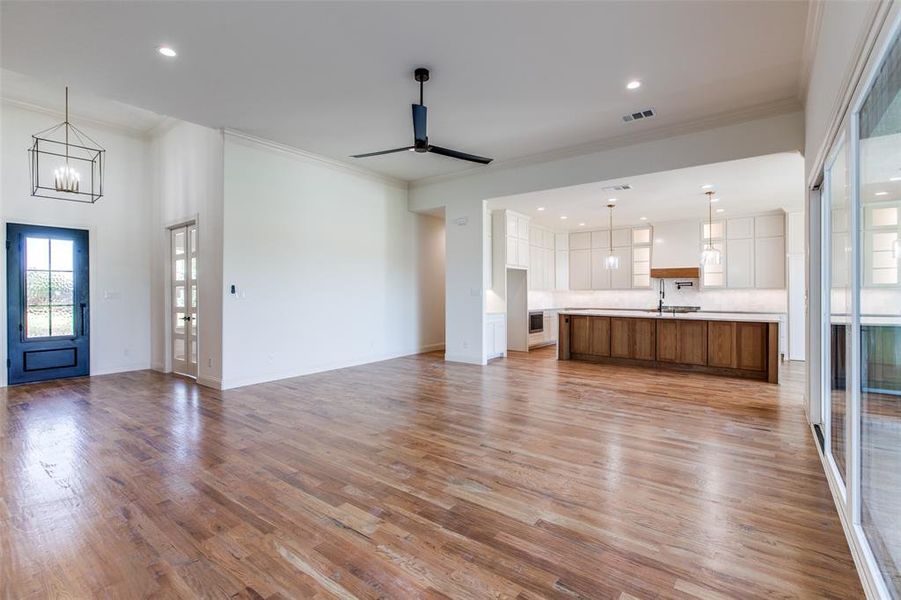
[167, 51]
[563, 217]
[882, 193]
[581, 224]
[721, 210]
[611, 199]
[540, 208]
[633, 85]
[642, 218]
[707, 186]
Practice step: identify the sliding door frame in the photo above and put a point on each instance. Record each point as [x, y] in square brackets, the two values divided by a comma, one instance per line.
[845, 128]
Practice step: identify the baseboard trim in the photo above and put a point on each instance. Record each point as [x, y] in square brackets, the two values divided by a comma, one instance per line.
[119, 369]
[464, 358]
[229, 384]
[210, 382]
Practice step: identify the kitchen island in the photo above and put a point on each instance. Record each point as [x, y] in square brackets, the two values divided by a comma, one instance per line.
[731, 344]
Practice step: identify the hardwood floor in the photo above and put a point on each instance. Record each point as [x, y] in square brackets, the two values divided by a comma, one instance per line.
[410, 478]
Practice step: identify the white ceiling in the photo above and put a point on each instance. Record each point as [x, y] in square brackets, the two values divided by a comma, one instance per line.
[334, 78]
[746, 186]
[40, 94]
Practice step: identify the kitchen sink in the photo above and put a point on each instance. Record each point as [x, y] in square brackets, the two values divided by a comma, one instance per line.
[675, 309]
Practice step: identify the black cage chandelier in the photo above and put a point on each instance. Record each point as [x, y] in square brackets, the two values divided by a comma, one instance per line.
[66, 164]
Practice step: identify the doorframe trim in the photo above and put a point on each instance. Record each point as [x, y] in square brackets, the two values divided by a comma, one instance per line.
[167, 289]
[92, 281]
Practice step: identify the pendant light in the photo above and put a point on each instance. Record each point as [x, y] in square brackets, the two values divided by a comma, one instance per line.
[66, 164]
[612, 261]
[710, 255]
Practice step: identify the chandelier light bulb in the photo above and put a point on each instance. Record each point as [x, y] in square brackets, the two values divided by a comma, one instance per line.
[66, 179]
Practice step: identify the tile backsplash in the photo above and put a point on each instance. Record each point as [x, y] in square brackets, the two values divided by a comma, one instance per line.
[720, 300]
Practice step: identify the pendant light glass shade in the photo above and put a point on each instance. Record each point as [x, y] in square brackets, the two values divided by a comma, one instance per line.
[710, 256]
[612, 261]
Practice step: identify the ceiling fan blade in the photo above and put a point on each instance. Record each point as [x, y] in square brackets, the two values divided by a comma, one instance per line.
[420, 119]
[393, 150]
[460, 155]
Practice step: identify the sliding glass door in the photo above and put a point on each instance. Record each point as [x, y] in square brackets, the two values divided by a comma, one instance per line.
[837, 336]
[879, 218]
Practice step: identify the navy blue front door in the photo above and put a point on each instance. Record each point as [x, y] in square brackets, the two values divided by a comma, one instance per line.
[48, 333]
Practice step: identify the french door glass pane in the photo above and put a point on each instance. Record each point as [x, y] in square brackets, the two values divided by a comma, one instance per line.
[49, 287]
[880, 333]
[839, 305]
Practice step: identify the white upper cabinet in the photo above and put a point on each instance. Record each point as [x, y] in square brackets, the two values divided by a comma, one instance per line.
[769, 226]
[600, 275]
[579, 269]
[516, 239]
[561, 270]
[580, 241]
[622, 238]
[740, 229]
[641, 236]
[561, 241]
[740, 262]
[621, 278]
[715, 230]
[511, 223]
[600, 239]
[769, 262]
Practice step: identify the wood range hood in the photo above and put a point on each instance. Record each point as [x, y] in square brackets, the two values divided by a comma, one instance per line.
[677, 272]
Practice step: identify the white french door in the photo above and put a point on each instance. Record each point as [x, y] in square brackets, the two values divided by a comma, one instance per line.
[183, 318]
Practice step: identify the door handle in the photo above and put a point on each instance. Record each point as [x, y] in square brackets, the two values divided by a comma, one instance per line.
[188, 318]
[83, 307]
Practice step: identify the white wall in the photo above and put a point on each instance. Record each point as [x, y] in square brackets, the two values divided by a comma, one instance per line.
[738, 139]
[843, 28]
[330, 267]
[466, 249]
[119, 238]
[186, 167]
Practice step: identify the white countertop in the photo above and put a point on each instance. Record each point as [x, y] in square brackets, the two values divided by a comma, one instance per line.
[691, 316]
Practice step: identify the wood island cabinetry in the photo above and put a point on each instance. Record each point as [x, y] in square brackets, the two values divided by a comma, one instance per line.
[735, 348]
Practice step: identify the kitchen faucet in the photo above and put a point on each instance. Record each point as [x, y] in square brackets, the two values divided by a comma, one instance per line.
[662, 292]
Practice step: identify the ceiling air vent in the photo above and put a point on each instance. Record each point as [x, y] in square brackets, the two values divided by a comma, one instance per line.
[637, 116]
[617, 188]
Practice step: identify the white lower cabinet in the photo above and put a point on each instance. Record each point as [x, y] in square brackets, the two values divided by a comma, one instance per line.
[496, 334]
[740, 263]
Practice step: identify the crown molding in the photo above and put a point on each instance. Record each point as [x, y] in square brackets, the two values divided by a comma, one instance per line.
[809, 49]
[310, 157]
[91, 121]
[759, 111]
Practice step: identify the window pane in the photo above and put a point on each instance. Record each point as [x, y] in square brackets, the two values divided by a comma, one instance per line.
[62, 287]
[179, 296]
[61, 322]
[179, 322]
[37, 288]
[180, 269]
[193, 296]
[37, 253]
[37, 321]
[61, 255]
[194, 268]
[880, 333]
[179, 243]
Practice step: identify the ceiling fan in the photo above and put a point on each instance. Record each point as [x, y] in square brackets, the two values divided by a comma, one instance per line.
[420, 139]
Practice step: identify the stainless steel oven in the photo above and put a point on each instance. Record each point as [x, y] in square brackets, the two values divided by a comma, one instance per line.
[536, 321]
